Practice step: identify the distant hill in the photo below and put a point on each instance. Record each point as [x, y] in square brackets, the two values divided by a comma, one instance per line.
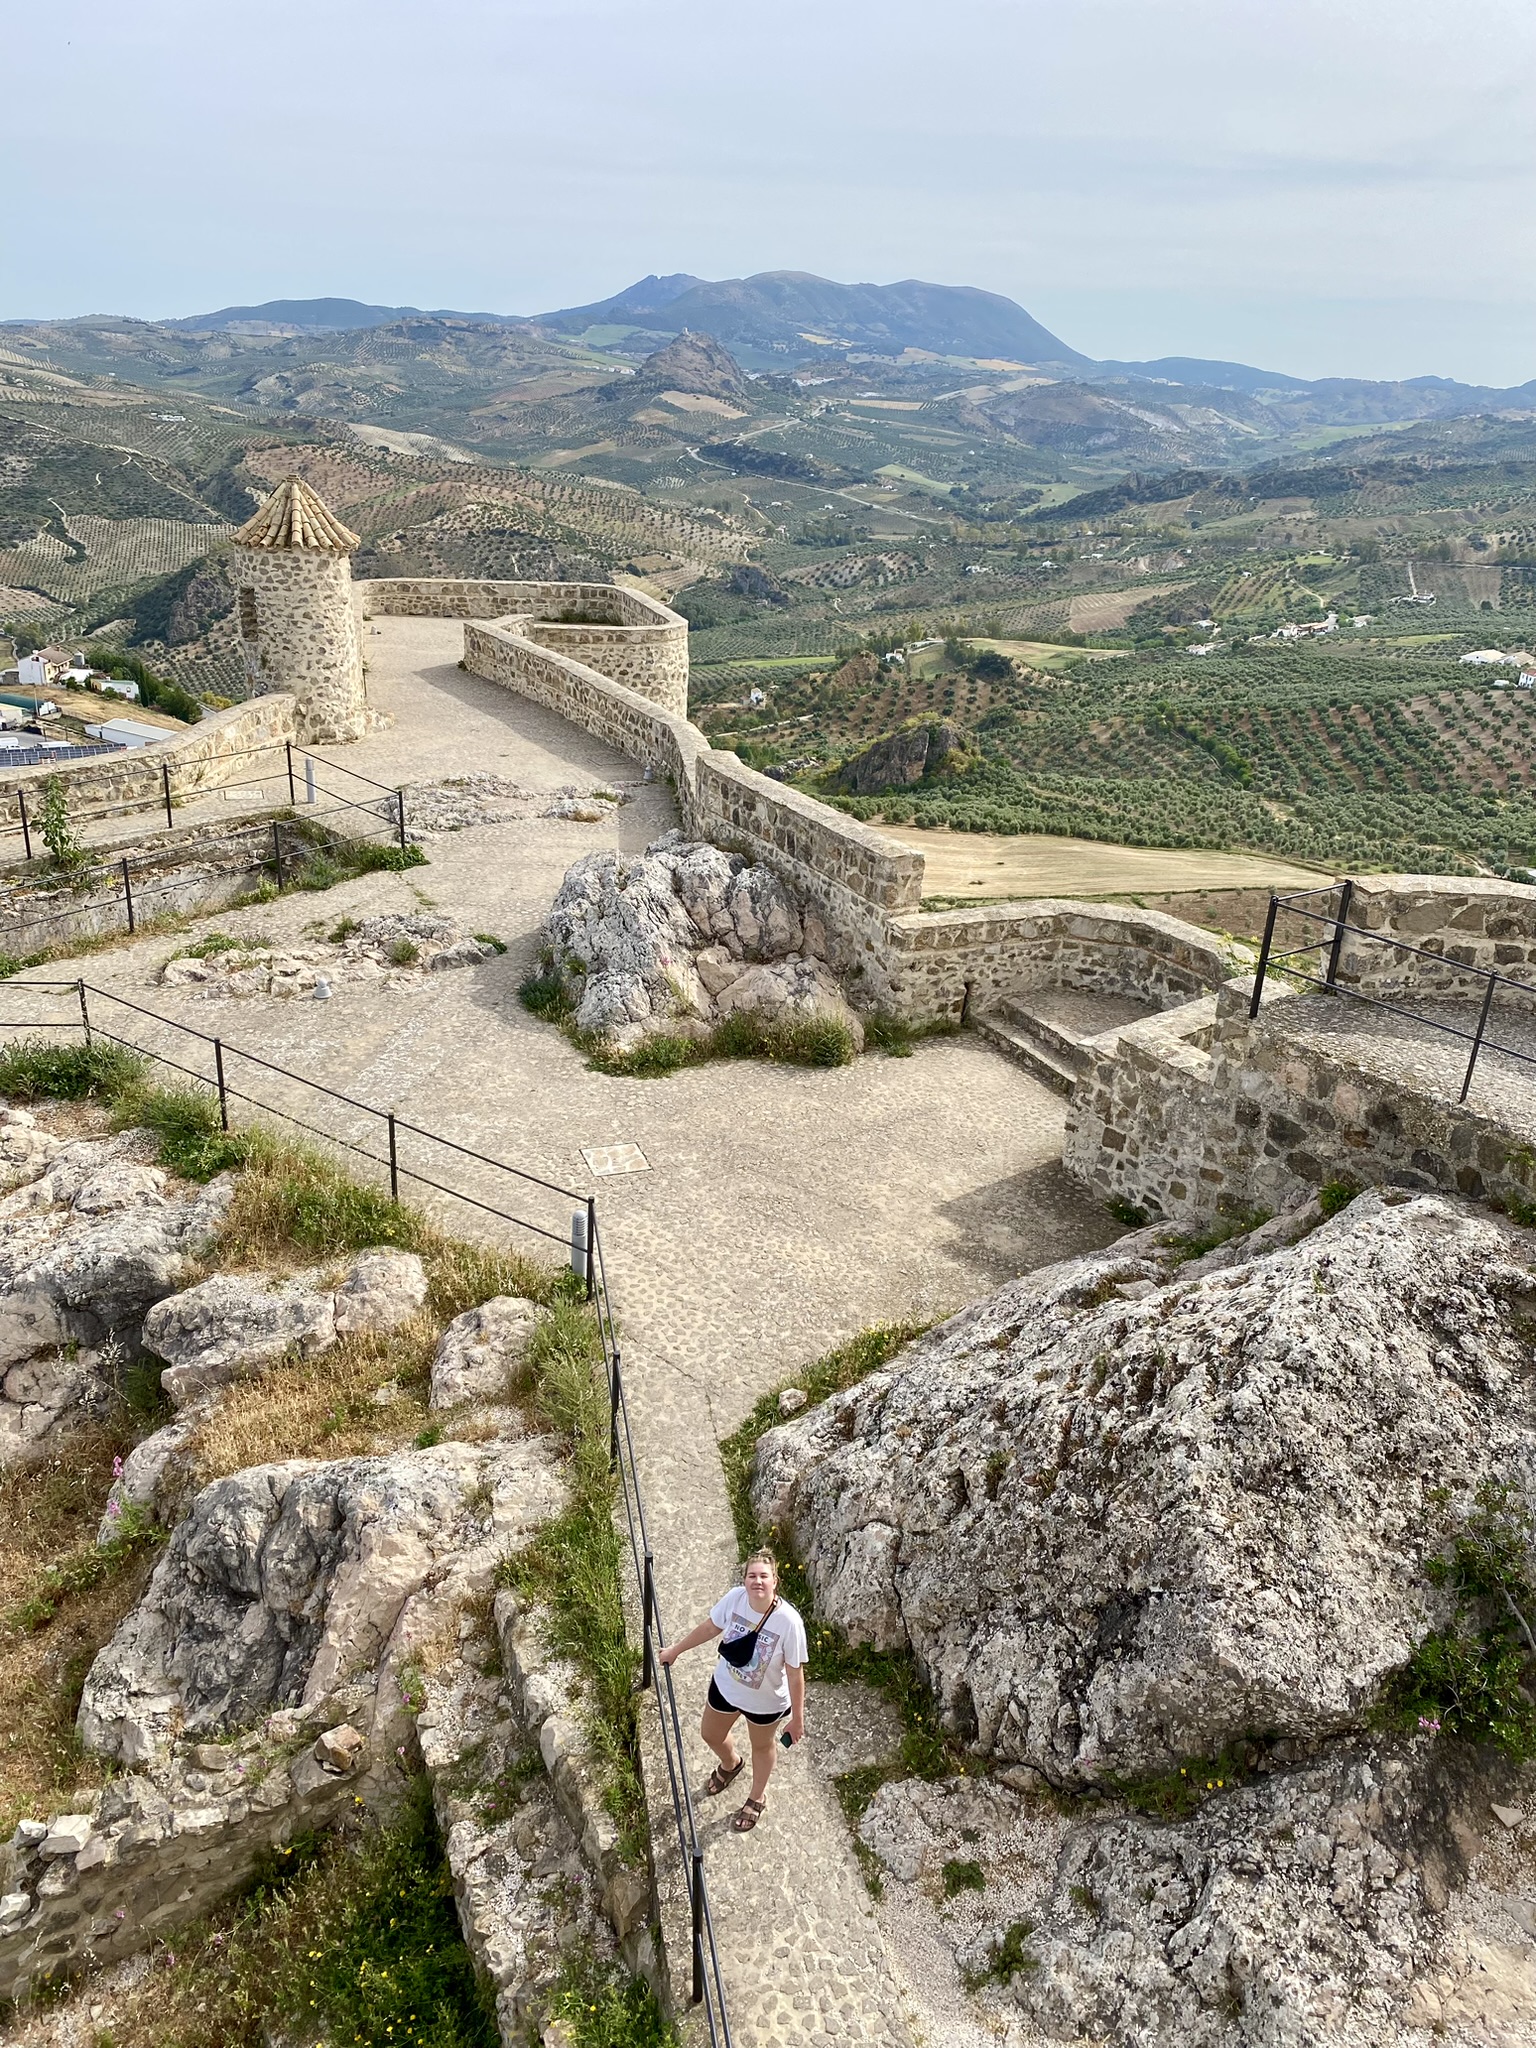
[791, 313]
[693, 362]
[314, 316]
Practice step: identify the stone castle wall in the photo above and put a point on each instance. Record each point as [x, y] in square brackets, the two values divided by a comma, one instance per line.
[207, 755]
[298, 633]
[1204, 1109]
[947, 964]
[621, 633]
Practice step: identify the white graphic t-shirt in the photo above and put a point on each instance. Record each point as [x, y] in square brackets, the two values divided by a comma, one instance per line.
[760, 1687]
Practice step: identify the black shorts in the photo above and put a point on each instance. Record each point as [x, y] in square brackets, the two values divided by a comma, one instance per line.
[722, 1705]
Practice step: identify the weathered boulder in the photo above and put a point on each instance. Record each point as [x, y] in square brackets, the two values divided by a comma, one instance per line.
[283, 1580]
[788, 989]
[1120, 1532]
[479, 1351]
[138, 1486]
[224, 1328]
[380, 1291]
[668, 941]
[1305, 1908]
[79, 1278]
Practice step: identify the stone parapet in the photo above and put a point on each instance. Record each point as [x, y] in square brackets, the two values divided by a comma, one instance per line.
[1461, 922]
[621, 633]
[948, 963]
[1204, 1110]
[202, 756]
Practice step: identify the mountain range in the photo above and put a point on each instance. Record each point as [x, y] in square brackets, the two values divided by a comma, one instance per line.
[782, 316]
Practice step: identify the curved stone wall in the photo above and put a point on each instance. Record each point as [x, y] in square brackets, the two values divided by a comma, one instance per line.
[621, 633]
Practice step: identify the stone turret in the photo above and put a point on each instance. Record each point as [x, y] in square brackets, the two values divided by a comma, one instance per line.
[298, 628]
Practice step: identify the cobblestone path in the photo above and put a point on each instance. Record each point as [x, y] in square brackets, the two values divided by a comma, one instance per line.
[783, 1209]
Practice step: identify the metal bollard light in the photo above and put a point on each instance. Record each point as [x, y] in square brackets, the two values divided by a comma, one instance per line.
[309, 780]
[579, 1262]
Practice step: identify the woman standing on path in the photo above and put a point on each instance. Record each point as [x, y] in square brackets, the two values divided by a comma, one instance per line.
[760, 1677]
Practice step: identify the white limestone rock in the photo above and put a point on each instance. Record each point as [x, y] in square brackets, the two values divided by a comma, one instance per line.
[381, 1290]
[479, 1351]
[67, 1278]
[139, 1484]
[1120, 1533]
[681, 937]
[226, 1327]
[280, 1581]
[1282, 1907]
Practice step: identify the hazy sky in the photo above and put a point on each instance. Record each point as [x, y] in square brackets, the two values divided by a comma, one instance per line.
[1319, 187]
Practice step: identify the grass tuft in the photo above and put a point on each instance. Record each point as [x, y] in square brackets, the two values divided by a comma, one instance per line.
[596, 2006]
[571, 1569]
[35, 1068]
[352, 1941]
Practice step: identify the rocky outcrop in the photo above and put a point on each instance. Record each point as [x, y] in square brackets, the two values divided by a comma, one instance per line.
[396, 952]
[480, 1350]
[899, 760]
[91, 1237]
[460, 803]
[234, 1323]
[283, 1580]
[682, 937]
[1308, 1908]
[1124, 1517]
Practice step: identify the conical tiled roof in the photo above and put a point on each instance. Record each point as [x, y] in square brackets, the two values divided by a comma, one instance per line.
[293, 517]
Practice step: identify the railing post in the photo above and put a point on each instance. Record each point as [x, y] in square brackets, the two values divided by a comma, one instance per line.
[400, 816]
[1269, 935]
[165, 784]
[394, 1160]
[697, 1903]
[277, 853]
[288, 751]
[85, 1015]
[1482, 1025]
[128, 895]
[615, 1397]
[591, 1247]
[218, 1068]
[1345, 895]
[647, 1614]
[26, 828]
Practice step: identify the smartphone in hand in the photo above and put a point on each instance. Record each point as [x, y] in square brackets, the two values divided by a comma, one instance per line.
[786, 1740]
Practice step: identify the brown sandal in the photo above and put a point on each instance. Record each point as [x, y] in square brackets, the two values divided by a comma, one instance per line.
[748, 1815]
[720, 1777]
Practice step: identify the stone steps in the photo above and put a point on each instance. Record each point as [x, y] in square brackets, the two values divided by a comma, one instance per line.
[1019, 1042]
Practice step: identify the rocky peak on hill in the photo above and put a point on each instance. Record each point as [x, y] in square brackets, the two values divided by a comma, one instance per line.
[695, 363]
[1125, 1516]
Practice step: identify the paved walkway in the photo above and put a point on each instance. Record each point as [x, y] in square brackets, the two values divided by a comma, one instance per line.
[784, 1209]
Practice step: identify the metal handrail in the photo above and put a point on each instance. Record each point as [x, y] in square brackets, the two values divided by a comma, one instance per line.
[1269, 960]
[707, 1986]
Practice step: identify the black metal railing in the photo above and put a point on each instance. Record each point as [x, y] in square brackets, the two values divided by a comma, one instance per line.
[125, 885]
[706, 1988]
[182, 782]
[402, 1151]
[1335, 927]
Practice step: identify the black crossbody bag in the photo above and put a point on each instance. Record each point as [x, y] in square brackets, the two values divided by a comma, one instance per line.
[739, 1653]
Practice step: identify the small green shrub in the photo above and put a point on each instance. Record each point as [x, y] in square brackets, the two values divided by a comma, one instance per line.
[798, 1041]
[1177, 1793]
[599, 2007]
[404, 953]
[963, 1876]
[663, 1052]
[1473, 1679]
[490, 939]
[35, 1068]
[1126, 1212]
[1335, 1195]
[340, 933]
[214, 942]
[1009, 1958]
[193, 1142]
[56, 828]
[545, 995]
